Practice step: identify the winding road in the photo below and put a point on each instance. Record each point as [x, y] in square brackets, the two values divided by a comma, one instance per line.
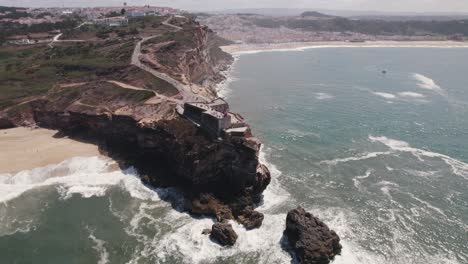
[184, 90]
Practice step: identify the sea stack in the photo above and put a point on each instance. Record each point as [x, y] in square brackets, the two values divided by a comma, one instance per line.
[223, 234]
[310, 239]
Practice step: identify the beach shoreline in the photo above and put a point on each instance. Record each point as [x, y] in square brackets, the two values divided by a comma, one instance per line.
[299, 46]
[25, 148]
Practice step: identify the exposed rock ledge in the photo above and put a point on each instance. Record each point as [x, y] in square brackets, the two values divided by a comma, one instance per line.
[310, 239]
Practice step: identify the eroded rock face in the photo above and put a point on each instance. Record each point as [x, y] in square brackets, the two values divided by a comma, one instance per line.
[311, 239]
[5, 123]
[223, 234]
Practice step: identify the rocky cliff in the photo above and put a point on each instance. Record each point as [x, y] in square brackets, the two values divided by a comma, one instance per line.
[221, 178]
[133, 119]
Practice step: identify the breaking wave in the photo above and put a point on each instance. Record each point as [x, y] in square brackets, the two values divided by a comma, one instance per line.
[458, 167]
[411, 94]
[385, 95]
[84, 176]
[323, 96]
[186, 242]
[355, 158]
[223, 89]
[427, 83]
[404, 96]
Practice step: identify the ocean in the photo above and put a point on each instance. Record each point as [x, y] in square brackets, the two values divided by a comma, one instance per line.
[381, 158]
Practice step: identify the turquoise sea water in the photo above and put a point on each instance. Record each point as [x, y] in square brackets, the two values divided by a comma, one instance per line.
[381, 158]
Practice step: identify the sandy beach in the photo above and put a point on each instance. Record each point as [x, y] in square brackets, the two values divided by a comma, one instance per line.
[255, 48]
[25, 148]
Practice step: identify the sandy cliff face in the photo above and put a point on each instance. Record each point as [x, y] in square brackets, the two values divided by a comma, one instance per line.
[193, 56]
[206, 61]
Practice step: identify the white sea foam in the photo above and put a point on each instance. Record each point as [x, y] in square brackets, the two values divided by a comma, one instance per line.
[186, 241]
[414, 97]
[411, 95]
[357, 179]
[100, 249]
[304, 48]
[323, 96]
[426, 82]
[385, 95]
[194, 247]
[418, 173]
[428, 205]
[274, 195]
[387, 187]
[363, 156]
[223, 88]
[458, 167]
[88, 177]
[342, 220]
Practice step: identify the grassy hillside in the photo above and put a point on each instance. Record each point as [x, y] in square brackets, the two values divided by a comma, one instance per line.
[33, 70]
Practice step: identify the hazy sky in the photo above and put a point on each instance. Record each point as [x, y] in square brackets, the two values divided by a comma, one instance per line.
[374, 5]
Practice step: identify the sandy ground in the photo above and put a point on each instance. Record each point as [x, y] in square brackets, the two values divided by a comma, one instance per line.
[254, 48]
[24, 148]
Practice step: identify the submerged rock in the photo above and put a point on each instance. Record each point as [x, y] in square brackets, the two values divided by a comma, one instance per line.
[223, 234]
[311, 239]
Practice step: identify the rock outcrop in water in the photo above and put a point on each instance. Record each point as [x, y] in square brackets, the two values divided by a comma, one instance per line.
[310, 239]
[223, 234]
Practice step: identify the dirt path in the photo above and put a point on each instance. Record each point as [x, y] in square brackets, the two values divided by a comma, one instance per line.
[156, 99]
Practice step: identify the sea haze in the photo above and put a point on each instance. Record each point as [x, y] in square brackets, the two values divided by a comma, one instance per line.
[381, 158]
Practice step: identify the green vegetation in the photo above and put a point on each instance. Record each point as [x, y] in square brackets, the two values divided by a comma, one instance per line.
[20, 77]
[13, 12]
[183, 37]
[8, 29]
[33, 70]
[9, 9]
[108, 94]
